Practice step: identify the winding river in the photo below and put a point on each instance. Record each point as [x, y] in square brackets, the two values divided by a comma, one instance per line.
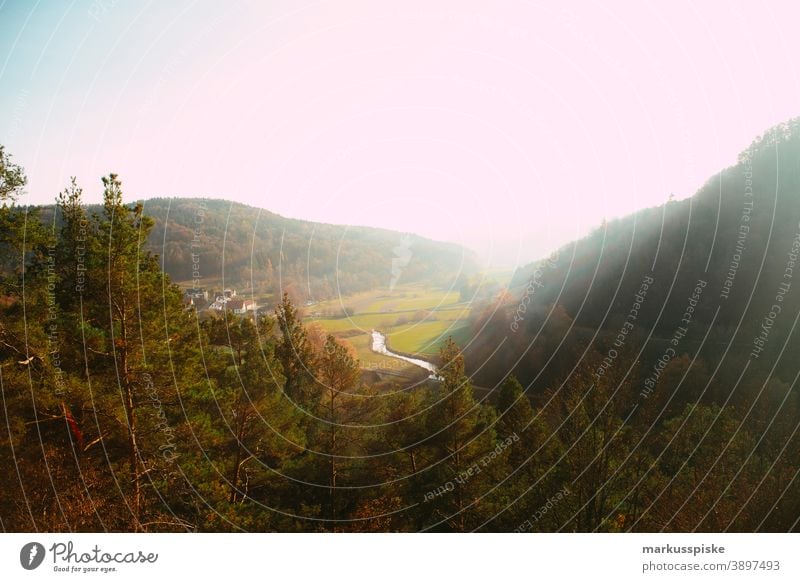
[379, 346]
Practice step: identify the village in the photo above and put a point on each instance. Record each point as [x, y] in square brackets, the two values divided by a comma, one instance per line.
[202, 299]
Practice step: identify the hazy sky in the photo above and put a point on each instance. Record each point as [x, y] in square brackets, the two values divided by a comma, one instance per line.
[509, 126]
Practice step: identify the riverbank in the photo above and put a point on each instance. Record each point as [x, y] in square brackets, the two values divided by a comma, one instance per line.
[379, 347]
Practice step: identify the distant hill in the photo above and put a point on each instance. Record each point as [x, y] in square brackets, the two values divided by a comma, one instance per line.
[736, 241]
[218, 238]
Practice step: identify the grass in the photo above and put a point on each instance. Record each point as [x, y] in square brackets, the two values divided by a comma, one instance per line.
[402, 298]
[372, 361]
[413, 300]
[422, 338]
[416, 320]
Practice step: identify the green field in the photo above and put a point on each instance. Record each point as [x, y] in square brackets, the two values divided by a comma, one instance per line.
[415, 319]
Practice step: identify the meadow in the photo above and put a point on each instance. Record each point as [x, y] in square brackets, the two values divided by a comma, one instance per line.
[416, 320]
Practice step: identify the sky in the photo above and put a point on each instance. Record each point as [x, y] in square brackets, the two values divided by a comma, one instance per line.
[511, 127]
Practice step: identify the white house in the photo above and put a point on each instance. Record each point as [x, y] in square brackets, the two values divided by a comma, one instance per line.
[241, 306]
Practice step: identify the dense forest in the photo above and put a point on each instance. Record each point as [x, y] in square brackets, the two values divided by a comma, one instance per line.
[686, 315]
[626, 383]
[250, 248]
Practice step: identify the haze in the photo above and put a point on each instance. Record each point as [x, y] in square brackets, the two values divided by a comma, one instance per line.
[508, 127]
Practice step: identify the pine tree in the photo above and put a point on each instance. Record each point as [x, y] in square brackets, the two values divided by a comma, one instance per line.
[526, 486]
[134, 324]
[295, 354]
[339, 376]
[514, 408]
[462, 435]
[265, 426]
[71, 256]
[12, 178]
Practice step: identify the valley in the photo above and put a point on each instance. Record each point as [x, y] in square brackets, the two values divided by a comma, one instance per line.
[331, 373]
[415, 319]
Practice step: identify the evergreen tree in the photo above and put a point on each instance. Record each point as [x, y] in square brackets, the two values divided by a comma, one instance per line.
[134, 322]
[12, 178]
[295, 354]
[461, 436]
[339, 375]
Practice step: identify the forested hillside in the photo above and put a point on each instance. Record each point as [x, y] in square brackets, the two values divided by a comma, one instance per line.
[684, 317]
[657, 384]
[738, 236]
[216, 239]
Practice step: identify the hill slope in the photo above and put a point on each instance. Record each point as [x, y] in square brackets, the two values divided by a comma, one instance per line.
[216, 239]
[717, 269]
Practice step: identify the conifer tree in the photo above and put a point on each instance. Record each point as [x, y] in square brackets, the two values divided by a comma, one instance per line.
[339, 375]
[461, 435]
[295, 354]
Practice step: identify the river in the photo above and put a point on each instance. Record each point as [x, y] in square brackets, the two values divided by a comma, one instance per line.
[379, 346]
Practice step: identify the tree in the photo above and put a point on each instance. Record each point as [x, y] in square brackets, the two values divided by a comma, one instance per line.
[295, 354]
[135, 325]
[264, 426]
[21, 233]
[709, 471]
[63, 488]
[589, 420]
[339, 375]
[72, 245]
[514, 408]
[461, 435]
[12, 178]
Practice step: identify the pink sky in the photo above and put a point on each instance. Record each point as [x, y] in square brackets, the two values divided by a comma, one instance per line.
[511, 127]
